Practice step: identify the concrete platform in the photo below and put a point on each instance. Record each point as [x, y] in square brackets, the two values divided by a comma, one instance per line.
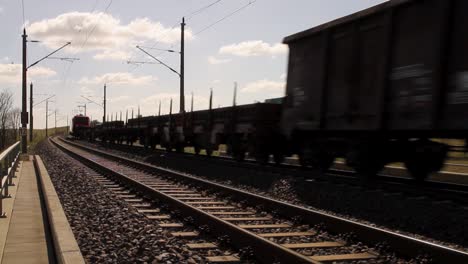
[35, 229]
[27, 239]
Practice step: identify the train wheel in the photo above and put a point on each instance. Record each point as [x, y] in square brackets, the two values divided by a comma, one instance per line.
[239, 155]
[197, 150]
[209, 151]
[366, 159]
[179, 149]
[324, 161]
[424, 157]
[278, 158]
[262, 157]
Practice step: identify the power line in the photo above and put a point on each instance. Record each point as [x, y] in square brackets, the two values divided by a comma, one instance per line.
[225, 17]
[200, 10]
[22, 6]
[189, 16]
[95, 25]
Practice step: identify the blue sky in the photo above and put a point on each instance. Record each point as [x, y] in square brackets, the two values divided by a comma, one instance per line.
[245, 48]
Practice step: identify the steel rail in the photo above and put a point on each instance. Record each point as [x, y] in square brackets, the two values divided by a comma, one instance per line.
[265, 250]
[405, 245]
[441, 190]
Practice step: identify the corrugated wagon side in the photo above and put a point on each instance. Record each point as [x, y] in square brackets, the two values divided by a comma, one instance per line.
[375, 86]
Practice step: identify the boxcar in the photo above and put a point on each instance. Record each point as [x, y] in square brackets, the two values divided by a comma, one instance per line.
[375, 86]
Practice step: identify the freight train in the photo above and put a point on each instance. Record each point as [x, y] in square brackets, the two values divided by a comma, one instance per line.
[373, 87]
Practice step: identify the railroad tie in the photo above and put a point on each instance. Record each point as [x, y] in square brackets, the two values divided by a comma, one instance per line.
[264, 226]
[239, 219]
[133, 200]
[111, 185]
[121, 192]
[127, 196]
[148, 211]
[184, 195]
[313, 245]
[158, 217]
[287, 234]
[165, 189]
[202, 246]
[195, 198]
[184, 234]
[215, 207]
[177, 192]
[344, 257]
[141, 205]
[105, 181]
[171, 225]
[223, 259]
[205, 203]
[232, 213]
[116, 189]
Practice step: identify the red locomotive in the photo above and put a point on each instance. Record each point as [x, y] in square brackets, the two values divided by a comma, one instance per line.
[80, 125]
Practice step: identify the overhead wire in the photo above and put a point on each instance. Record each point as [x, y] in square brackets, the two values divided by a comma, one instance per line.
[95, 25]
[67, 71]
[200, 10]
[22, 6]
[188, 16]
[225, 17]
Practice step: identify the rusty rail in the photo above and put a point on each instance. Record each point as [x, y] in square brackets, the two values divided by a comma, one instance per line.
[8, 164]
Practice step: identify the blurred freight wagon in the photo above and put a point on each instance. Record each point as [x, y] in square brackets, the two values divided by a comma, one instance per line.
[375, 86]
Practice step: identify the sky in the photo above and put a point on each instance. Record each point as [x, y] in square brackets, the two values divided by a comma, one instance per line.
[245, 47]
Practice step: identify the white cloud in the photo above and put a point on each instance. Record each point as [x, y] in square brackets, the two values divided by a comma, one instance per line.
[11, 73]
[254, 48]
[87, 91]
[283, 76]
[1, 9]
[264, 86]
[119, 99]
[213, 60]
[112, 55]
[216, 81]
[118, 78]
[102, 32]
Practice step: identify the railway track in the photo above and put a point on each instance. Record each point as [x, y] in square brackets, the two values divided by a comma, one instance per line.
[437, 190]
[272, 236]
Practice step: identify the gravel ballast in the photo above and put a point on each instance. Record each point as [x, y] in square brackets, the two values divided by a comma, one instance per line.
[441, 222]
[107, 229]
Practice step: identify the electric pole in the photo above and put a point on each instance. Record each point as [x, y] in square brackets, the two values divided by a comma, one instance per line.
[55, 129]
[181, 72]
[24, 113]
[104, 116]
[47, 117]
[182, 53]
[31, 129]
[235, 94]
[84, 106]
